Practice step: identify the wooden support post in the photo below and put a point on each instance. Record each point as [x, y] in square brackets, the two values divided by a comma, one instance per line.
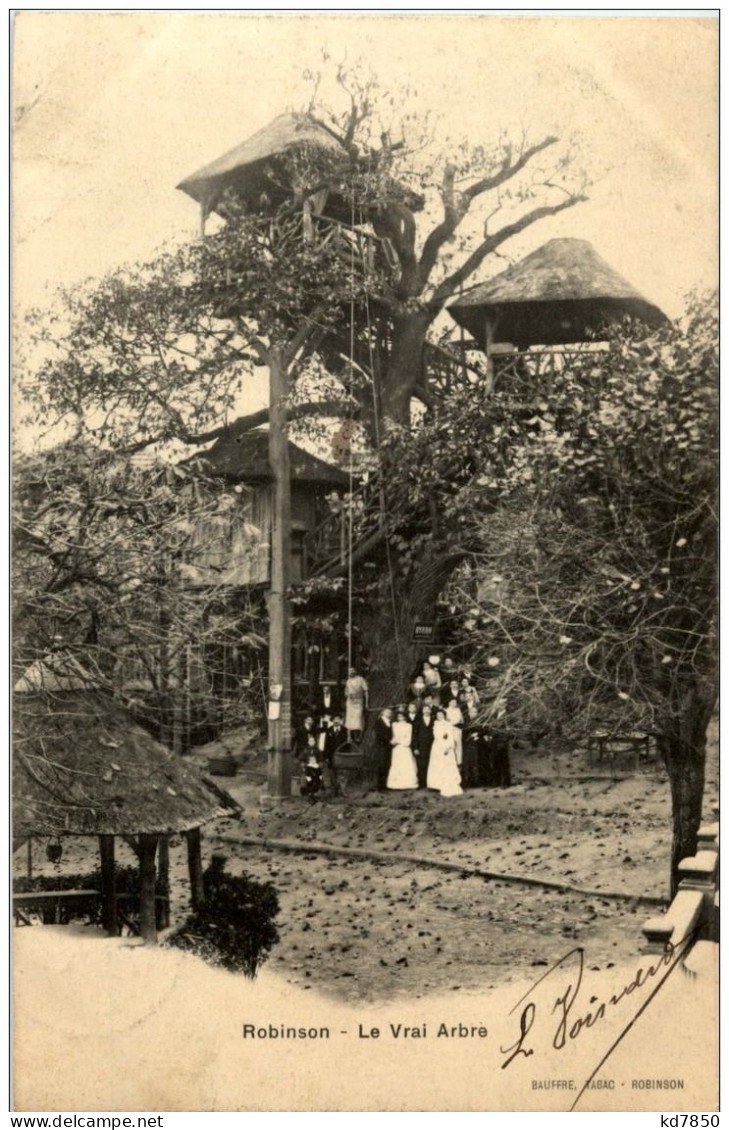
[147, 884]
[490, 374]
[279, 609]
[194, 867]
[29, 858]
[163, 867]
[108, 885]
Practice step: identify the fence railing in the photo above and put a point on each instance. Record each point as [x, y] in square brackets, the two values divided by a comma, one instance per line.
[694, 911]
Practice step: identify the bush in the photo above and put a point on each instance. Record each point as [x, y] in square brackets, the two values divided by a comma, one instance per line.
[233, 926]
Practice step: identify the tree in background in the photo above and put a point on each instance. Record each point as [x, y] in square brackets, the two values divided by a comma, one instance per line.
[128, 569]
[162, 352]
[586, 512]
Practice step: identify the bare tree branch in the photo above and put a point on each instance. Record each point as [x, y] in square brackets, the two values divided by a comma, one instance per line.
[457, 204]
[450, 285]
[244, 424]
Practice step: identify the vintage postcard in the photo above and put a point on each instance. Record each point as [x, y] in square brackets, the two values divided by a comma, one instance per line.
[365, 587]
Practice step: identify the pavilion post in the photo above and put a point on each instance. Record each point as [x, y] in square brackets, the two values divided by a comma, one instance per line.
[163, 867]
[279, 605]
[108, 885]
[194, 866]
[147, 885]
[490, 373]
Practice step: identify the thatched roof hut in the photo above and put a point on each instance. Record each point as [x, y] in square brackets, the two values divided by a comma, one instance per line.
[245, 459]
[243, 168]
[82, 766]
[563, 292]
[247, 168]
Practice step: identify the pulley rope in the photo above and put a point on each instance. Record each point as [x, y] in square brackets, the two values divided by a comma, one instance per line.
[383, 500]
[350, 650]
[376, 406]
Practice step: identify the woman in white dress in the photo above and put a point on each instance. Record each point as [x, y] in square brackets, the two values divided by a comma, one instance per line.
[454, 715]
[403, 767]
[356, 694]
[443, 772]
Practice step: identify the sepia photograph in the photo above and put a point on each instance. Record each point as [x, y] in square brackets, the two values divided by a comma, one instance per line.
[365, 426]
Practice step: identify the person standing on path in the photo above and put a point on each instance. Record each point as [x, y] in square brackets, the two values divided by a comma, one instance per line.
[356, 693]
[422, 744]
[443, 772]
[336, 736]
[383, 748]
[403, 769]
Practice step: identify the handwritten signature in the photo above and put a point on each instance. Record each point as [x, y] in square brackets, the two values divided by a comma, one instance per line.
[572, 1019]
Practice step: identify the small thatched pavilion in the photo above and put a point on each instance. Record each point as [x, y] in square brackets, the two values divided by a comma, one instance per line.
[253, 170]
[564, 292]
[82, 766]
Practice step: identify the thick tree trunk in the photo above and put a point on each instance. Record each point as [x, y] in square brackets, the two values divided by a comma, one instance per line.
[405, 364]
[387, 631]
[684, 754]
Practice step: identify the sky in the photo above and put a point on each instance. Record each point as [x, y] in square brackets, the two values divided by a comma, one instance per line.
[113, 109]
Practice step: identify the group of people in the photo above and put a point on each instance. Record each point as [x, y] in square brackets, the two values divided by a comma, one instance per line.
[436, 741]
[325, 730]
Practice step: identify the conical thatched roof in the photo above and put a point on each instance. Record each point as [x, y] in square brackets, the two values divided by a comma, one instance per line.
[245, 459]
[58, 672]
[563, 292]
[246, 167]
[240, 167]
[82, 766]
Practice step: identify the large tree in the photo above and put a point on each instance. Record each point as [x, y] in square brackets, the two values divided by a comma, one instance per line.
[584, 508]
[161, 351]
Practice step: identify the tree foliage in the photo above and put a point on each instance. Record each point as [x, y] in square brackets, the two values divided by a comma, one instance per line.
[584, 502]
[127, 568]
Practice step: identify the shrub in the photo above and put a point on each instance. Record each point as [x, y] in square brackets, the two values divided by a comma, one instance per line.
[233, 926]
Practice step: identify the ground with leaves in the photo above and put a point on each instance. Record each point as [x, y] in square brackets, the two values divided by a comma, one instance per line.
[368, 928]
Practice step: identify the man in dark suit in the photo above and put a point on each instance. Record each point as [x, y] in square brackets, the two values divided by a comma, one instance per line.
[329, 700]
[303, 731]
[383, 748]
[422, 743]
[336, 736]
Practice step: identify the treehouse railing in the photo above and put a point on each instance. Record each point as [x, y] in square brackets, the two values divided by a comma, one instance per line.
[533, 371]
[360, 249]
[327, 545]
[447, 371]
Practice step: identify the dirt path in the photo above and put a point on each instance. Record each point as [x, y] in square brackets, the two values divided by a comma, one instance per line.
[374, 928]
[369, 931]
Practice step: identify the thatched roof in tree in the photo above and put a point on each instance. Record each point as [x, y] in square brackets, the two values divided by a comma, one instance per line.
[82, 766]
[246, 169]
[59, 672]
[245, 459]
[563, 292]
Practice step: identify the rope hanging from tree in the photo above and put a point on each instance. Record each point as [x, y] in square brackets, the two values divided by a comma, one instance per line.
[382, 500]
